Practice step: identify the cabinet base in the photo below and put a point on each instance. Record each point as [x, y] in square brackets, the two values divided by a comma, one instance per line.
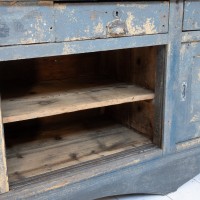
[159, 176]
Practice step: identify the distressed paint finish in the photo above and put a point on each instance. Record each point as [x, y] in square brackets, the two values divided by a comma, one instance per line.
[23, 23]
[191, 36]
[156, 171]
[171, 90]
[4, 187]
[191, 15]
[90, 21]
[67, 48]
[189, 97]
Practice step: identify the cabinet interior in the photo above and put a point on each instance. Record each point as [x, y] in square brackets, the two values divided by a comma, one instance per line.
[69, 110]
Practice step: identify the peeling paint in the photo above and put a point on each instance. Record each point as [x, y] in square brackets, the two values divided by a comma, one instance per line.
[99, 28]
[60, 7]
[93, 15]
[129, 21]
[195, 118]
[28, 40]
[87, 30]
[149, 26]
[129, 5]
[67, 49]
[183, 51]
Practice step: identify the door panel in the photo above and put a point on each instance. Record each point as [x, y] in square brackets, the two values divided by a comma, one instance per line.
[189, 116]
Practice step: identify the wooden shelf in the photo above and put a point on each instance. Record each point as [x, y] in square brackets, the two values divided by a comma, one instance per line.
[69, 145]
[52, 98]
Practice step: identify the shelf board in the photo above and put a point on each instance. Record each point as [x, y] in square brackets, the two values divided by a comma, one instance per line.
[69, 145]
[53, 98]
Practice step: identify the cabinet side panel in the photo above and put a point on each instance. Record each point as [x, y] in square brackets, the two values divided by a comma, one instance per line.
[3, 167]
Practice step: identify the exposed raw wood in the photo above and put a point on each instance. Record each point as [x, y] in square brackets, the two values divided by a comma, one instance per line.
[4, 187]
[54, 98]
[70, 145]
[135, 66]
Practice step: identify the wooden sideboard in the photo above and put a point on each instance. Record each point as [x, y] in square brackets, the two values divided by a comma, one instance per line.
[98, 98]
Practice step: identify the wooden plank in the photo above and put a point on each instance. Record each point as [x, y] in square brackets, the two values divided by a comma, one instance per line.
[171, 96]
[157, 176]
[4, 187]
[51, 99]
[69, 145]
[67, 48]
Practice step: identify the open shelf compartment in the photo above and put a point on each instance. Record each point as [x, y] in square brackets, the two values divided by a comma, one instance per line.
[65, 111]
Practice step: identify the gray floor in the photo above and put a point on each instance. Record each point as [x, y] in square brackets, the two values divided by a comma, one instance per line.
[189, 191]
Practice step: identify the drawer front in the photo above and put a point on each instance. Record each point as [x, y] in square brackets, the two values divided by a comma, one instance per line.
[91, 21]
[191, 15]
[25, 24]
[189, 118]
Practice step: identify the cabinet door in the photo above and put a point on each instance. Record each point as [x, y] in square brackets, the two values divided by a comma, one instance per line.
[189, 102]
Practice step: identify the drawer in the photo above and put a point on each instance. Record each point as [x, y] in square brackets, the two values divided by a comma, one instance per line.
[24, 23]
[75, 21]
[191, 15]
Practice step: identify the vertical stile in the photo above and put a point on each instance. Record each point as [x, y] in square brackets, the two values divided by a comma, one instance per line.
[4, 187]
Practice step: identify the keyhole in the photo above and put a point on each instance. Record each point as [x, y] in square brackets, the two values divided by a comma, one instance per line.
[183, 92]
[116, 14]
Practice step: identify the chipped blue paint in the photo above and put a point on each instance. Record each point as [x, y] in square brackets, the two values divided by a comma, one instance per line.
[90, 21]
[191, 15]
[26, 24]
[67, 48]
[191, 36]
[189, 115]
[172, 66]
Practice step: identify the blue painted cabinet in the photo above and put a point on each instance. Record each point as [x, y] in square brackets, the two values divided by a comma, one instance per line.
[98, 98]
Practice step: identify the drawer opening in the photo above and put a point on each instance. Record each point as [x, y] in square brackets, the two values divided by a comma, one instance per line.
[66, 111]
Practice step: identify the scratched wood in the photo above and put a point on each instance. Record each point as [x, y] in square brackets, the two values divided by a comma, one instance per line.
[135, 66]
[51, 86]
[90, 21]
[68, 145]
[4, 187]
[191, 20]
[26, 23]
[63, 101]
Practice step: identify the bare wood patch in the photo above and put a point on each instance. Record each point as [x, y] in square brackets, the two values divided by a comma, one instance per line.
[58, 99]
[4, 187]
